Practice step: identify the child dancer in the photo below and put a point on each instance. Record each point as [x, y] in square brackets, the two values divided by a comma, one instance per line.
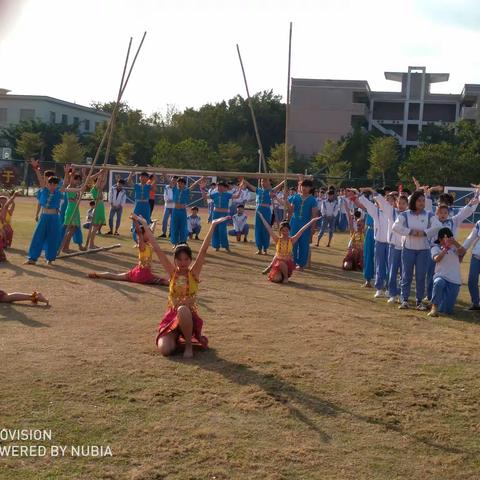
[303, 207]
[47, 231]
[283, 265]
[142, 196]
[240, 225]
[72, 213]
[447, 278]
[181, 198]
[264, 206]
[99, 217]
[221, 200]
[354, 258]
[142, 272]
[35, 297]
[194, 223]
[5, 204]
[413, 225]
[8, 222]
[182, 323]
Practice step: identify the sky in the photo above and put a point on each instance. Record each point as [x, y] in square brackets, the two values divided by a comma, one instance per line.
[75, 50]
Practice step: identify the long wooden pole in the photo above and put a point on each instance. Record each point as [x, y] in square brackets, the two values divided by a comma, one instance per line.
[108, 130]
[287, 106]
[93, 250]
[110, 137]
[250, 105]
[196, 172]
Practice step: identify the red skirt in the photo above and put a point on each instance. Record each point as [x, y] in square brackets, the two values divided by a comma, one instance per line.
[170, 322]
[139, 274]
[354, 259]
[276, 268]
[9, 234]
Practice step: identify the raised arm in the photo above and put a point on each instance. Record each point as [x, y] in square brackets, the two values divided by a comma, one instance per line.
[141, 241]
[472, 238]
[268, 227]
[36, 167]
[196, 182]
[278, 187]
[202, 253]
[3, 211]
[385, 206]
[248, 185]
[305, 227]
[129, 179]
[163, 259]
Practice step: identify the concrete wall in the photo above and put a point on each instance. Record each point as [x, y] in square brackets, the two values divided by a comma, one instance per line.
[318, 113]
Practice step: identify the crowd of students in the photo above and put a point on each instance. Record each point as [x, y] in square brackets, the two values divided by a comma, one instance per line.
[395, 237]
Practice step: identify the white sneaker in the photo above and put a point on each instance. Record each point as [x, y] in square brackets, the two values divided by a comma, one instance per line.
[391, 300]
[378, 294]
[422, 307]
[404, 306]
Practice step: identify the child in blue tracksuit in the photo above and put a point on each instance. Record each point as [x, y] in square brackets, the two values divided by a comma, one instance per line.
[447, 278]
[413, 225]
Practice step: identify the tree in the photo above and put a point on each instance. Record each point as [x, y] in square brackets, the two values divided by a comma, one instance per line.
[435, 164]
[383, 156]
[69, 151]
[329, 162]
[276, 161]
[125, 153]
[29, 144]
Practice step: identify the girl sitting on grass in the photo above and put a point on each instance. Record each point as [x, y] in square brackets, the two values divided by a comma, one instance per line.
[181, 323]
[142, 272]
[282, 265]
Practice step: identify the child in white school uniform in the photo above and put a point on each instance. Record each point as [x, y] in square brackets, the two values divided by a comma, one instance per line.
[447, 279]
[393, 205]
[380, 220]
[194, 223]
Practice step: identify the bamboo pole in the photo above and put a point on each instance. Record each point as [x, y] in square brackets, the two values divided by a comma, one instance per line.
[255, 126]
[287, 112]
[110, 137]
[205, 173]
[93, 250]
[108, 130]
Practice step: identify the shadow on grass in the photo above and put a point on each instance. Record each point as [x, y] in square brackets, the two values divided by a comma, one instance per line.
[14, 314]
[289, 395]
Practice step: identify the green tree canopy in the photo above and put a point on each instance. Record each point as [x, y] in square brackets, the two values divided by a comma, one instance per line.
[29, 144]
[69, 151]
[383, 157]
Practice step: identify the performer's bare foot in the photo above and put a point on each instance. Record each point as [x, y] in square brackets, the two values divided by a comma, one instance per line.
[39, 297]
[82, 248]
[67, 250]
[29, 262]
[188, 353]
[259, 252]
[299, 268]
[367, 284]
[92, 275]
[50, 262]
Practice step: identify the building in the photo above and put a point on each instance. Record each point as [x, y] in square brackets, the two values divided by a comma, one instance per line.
[17, 108]
[327, 109]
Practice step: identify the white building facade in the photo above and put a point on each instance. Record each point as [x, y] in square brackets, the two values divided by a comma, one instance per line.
[17, 108]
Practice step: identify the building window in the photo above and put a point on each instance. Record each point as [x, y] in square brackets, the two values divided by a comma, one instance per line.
[3, 116]
[27, 114]
[87, 125]
[76, 120]
[53, 117]
[64, 119]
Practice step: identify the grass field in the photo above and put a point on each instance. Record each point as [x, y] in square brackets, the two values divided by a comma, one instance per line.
[311, 380]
